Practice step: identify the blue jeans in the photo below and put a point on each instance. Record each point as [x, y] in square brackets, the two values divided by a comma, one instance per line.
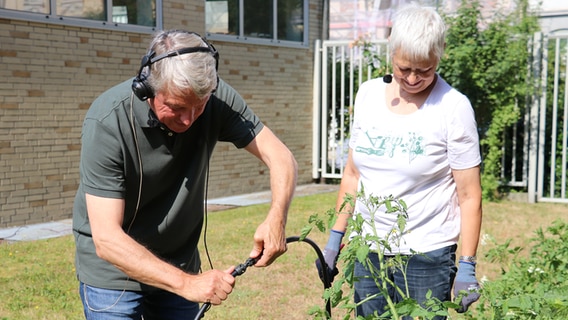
[434, 270]
[107, 304]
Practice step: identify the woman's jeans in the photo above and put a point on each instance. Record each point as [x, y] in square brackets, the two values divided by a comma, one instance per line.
[434, 270]
[106, 304]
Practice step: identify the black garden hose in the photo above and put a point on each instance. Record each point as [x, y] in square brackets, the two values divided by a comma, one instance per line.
[326, 281]
[240, 269]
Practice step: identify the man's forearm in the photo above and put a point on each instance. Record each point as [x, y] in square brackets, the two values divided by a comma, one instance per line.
[137, 262]
[283, 178]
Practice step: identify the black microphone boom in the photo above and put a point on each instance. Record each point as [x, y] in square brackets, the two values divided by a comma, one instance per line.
[153, 121]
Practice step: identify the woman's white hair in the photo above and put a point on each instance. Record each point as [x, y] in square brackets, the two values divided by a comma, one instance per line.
[417, 33]
[178, 75]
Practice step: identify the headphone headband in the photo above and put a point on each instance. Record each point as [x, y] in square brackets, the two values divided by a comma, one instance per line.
[149, 60]
[140, 86]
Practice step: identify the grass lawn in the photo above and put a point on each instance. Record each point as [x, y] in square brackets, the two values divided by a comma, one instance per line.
[37, 278]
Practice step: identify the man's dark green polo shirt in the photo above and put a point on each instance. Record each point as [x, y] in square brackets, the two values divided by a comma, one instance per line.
[118, 144]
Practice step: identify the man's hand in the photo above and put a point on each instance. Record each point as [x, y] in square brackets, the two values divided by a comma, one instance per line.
[269, 242]
[466, 286]
[213, 286]
[330, 254]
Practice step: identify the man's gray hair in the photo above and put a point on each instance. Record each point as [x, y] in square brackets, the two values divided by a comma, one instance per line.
[178, 75]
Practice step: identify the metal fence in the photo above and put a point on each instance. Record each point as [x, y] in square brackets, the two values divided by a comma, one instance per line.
[340, 67]
[549, 119]
[535, 150]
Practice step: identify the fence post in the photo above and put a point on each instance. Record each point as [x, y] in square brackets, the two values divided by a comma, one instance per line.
[316, 112]
[534, 117]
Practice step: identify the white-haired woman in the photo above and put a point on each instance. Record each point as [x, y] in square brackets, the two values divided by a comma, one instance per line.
[425, 151]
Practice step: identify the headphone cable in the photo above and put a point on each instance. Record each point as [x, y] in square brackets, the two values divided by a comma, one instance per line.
[205, 221]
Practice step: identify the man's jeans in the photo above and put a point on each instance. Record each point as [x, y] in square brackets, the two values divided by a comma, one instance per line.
[433, 270]
[105, 304]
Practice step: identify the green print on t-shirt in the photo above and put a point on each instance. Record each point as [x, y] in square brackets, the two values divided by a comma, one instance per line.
[388, 145]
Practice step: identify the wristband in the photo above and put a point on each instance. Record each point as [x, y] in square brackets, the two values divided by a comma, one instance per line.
[468, 259]
[340, 233]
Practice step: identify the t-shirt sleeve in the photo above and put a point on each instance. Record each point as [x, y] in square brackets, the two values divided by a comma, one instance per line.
[240, 124]
[463, 138]
[102, 161]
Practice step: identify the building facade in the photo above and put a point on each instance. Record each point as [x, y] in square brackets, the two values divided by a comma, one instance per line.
[58, 56]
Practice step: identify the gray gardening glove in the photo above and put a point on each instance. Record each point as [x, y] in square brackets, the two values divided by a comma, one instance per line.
[330, 254]
[466, 281]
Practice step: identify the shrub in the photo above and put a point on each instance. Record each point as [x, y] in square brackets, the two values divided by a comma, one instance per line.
[358, 249]
[533, 286]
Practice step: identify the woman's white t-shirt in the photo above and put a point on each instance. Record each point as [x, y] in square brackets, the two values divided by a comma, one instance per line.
[411, 157]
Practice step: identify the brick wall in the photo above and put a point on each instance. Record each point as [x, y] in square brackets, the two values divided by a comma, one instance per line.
[277, 87]
[51, 73]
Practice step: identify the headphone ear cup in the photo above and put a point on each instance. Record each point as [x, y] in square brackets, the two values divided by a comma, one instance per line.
[141, 88]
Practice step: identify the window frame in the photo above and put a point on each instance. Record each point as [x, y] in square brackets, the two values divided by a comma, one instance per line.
[85, 23]
[263, 41]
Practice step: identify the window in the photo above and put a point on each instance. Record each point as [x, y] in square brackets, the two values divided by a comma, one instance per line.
[260, 21]
[125, 14]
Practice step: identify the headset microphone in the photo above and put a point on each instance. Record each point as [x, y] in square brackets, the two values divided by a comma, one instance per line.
[387, 78]
[153, 121]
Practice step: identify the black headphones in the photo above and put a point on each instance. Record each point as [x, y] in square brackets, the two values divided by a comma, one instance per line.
[140, 85]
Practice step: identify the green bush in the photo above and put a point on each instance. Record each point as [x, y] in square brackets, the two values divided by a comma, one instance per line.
[358, 249]
[488, 61]
[532, 286]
